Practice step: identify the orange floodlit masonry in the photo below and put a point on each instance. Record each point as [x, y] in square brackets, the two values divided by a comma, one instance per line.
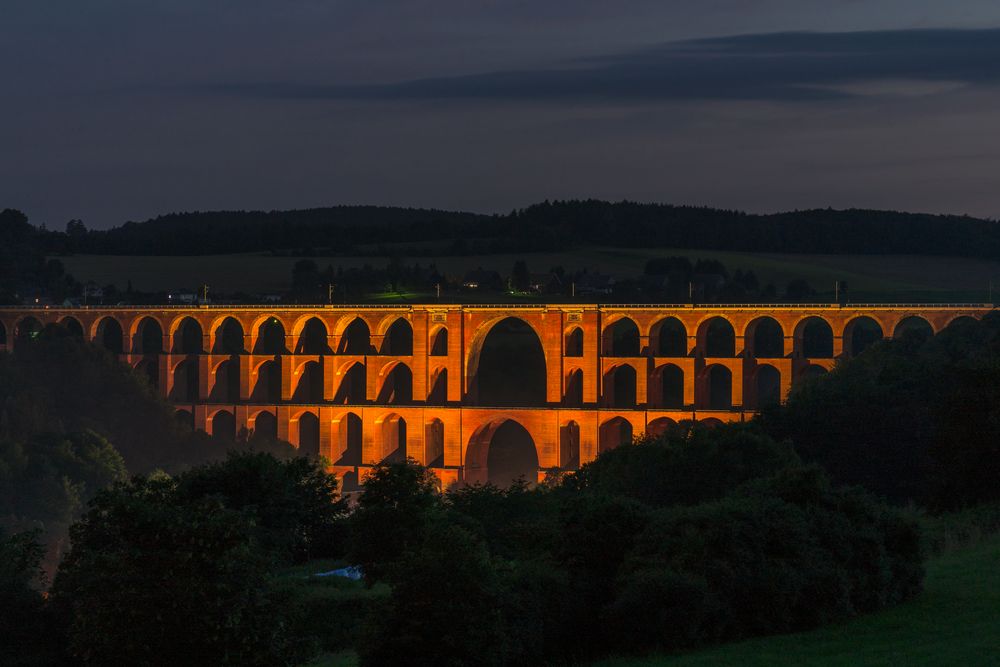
[359, 384]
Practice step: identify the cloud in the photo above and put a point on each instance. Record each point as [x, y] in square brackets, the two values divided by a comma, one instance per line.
[788, 66]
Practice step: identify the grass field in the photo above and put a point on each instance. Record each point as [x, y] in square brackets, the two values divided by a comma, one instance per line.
[955, 621]
[870, 277]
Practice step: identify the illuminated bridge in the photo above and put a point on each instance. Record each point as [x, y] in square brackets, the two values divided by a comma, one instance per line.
[477, 392]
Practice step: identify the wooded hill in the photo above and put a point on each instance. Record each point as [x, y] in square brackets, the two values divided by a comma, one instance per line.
[366, 230]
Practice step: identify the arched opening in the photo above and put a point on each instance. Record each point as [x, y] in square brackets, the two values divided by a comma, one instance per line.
[860, 334]
[309, 435]
[353, 386]
[109, 335]
[719, 338]
[398, 339]
[391, 431]
[310, 386]
[671, 338]
[438, 395]
[669, 379]
[356, 338]
[224, 426]
[267, 388]
[397, 389]
[569, 446]
[226, 388]
[719, 386]
[265, 425]
[573, 398]
[660, 427]
[349, 440]
[511, 455]
[228, 337]
[918, 328]
[960, 322]
[510, 367]
[710, 422]
[148, 337]
[434, 443]
[816, 339]
[574, 342]
[27, 329]
[188, 337]
[313, 339]
[621, 339]
[439, 343]
[72, 326]
[614, 433]
[620, 387]
[185, 382]
[185, 418]
[767, 338]
[270, 338]
[149, 369]
[767, 382]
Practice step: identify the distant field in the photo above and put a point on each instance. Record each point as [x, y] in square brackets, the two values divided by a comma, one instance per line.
[870, 277]
[955, 621]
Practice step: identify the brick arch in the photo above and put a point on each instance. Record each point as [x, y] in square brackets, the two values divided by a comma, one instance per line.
[258, 324]
[388, 320]
[847, 333]
[95, 325]
[894, 332]
[749, 334]
[612, 322]
[391, 437]
[254, 414]
[343, 369]
[432, 339]
[798, 332]
[434, 374]
[476, 455]
[295, 427]
[475, 349]
[655, 331]
[135, 331]
[660, 426]
[66, 319]
[345, 321]
[705, 323]
[616, 430]
[384, 375]
[385, 326]
[215, 328]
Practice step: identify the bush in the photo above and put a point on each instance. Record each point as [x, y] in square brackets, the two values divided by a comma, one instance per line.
[782, 554]
[444, 607]
[391, 516]
[297, 513]
[150, 580]
[684, 468]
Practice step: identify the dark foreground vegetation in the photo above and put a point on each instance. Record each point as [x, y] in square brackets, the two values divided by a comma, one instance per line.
[700, 537]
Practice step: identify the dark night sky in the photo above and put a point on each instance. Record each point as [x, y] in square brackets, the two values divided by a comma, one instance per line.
[116, 109]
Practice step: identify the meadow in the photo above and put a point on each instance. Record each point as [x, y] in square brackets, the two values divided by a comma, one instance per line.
[882, 278]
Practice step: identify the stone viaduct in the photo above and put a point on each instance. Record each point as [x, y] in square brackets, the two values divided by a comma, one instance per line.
[362, 384]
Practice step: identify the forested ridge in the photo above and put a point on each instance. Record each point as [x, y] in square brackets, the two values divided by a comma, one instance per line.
[346, 230]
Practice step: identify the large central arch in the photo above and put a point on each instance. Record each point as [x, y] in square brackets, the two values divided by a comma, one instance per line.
[507, 366]
[501, 452]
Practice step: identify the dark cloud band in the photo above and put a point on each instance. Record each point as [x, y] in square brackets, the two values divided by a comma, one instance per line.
[777, 66]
